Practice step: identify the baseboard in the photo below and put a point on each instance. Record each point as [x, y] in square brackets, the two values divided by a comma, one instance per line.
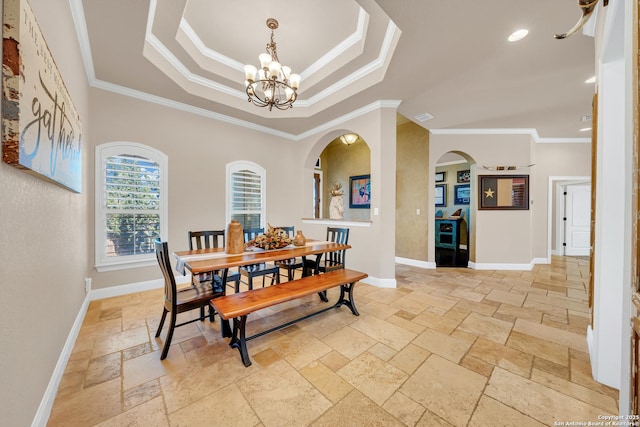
[415, 262]
[496, 266]
[380, 283]
[116, 291]
[44, 410]
[540, 261]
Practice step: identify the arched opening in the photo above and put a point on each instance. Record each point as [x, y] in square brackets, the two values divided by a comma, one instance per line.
[342, 178]
[454, 209]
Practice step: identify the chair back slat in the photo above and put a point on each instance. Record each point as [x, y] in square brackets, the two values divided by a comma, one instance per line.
[170, 288]
[206, 239]
[337, 235]
[251, 233]
[291, 231]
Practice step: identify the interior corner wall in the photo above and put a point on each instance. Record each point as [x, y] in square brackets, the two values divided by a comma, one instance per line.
[412, 190]
[44, 233]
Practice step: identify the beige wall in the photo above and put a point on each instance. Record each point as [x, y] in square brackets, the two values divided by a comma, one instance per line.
[412, 175]
[198, 150]
[44, 235]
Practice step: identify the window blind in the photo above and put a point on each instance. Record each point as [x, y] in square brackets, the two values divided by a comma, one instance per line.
[246, 198]
[132, 205]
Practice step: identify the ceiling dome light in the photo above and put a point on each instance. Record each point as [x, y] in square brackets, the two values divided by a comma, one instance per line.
[349, 138]
[591, 80]
[518, 35]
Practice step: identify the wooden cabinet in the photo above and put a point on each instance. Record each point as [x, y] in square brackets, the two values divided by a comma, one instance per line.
[447, 238]
[448, 233]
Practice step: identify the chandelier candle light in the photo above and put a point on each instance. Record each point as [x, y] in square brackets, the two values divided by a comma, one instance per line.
[272, 85]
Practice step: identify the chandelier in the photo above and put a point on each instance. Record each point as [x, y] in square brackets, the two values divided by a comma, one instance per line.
[272, 85]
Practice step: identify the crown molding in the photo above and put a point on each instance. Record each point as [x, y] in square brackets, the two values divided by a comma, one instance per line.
[511, 131]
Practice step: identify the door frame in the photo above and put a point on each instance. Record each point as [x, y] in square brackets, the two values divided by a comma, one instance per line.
[560, 213]
[557, 182]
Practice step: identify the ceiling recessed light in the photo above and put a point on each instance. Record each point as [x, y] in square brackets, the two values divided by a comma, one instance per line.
[518, 35]
[591, 80]
[585, 129]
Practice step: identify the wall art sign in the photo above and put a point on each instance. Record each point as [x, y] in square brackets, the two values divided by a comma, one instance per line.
[360, 192]
[41, 130]
[504, 192]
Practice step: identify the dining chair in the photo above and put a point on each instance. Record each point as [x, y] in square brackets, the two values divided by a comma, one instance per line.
[211, 239]
[290, 264]
[331, 260]
[181, 300]
[260, 269]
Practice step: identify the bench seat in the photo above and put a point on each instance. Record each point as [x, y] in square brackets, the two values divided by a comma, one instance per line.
[238, 306]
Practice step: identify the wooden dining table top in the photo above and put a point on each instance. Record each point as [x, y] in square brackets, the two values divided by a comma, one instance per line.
[196, 261]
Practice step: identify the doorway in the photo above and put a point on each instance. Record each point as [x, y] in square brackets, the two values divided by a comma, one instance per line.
[453, 199]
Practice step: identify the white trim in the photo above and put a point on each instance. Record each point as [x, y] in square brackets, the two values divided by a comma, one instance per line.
[44, 409]
[380, 283]
[336, 222]
[500, 266]
[511, 131]
[416, 262]
[552, 180]
[102, 152]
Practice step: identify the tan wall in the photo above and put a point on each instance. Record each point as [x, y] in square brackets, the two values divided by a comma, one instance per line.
[43, 229]
[412, 175]
[339, 162]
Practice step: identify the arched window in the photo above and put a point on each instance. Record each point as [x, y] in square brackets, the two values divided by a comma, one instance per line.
[131, 204]
[246, 183]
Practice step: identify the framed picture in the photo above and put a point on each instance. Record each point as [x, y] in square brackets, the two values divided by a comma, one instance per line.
[441, 195]
[464, 176]
[41, 129]
[462, 195]
[441, 176]
[500, 192]
[360, 192]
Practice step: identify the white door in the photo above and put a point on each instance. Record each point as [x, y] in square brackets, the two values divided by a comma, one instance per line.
[578, 216]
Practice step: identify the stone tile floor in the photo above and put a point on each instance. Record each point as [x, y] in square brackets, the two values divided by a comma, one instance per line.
[446, 347]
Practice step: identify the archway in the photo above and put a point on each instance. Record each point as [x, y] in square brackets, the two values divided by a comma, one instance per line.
[455, 205]
[343, 166]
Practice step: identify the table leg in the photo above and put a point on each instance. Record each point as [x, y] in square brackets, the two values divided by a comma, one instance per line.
[225, 329]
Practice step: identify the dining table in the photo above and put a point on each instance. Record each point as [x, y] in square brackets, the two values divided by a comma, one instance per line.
[216, 259]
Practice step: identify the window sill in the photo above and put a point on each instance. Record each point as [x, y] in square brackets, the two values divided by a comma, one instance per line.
[336, 222]
[123, 265]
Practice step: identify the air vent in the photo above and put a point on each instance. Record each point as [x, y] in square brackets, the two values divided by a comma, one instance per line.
[585, 118]
[424, 117]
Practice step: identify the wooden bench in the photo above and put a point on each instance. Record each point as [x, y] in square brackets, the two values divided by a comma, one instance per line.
[238, 306]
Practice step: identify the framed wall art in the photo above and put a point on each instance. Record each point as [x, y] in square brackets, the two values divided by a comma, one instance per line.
[441, 176]
[360, 192]
[462, 195]
[441, 195]
[464, 176]
[41, 130]
[501, 192]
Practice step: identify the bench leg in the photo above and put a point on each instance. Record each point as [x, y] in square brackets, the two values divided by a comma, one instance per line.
[349, 302]
[240, 342]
